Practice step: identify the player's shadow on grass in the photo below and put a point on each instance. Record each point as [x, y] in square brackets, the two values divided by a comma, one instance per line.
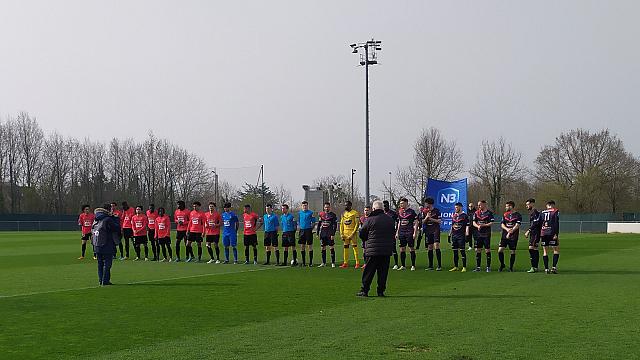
[201, 284]
[601, 272]
[463, 296]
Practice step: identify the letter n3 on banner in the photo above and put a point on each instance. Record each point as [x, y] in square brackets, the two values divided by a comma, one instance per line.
[446, 194]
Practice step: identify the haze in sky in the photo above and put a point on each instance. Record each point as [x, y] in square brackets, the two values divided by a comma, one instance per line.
[274, 82]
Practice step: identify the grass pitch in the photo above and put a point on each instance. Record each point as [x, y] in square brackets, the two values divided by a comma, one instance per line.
[51, 308]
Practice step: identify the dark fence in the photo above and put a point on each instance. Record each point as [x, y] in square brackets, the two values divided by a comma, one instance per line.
[571, 223]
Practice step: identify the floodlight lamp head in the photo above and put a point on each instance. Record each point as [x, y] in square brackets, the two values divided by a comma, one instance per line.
[353, 45]
[355, 51]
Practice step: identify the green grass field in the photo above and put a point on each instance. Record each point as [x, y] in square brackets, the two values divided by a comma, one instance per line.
[50, 307]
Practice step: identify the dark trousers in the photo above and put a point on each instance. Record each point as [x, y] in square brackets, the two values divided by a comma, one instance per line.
[104, 267]
[379, 264]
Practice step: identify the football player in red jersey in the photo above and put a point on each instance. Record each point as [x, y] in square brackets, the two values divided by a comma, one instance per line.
[85, 220]
[125, 223]
[151, 220]
[163, 233]
[250, 237]
[181, 218]
[196, 229]
[139, 226]
[212, 224]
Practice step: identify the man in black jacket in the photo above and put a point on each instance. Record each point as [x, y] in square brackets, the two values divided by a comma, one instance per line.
[106, 235]
[378, 232]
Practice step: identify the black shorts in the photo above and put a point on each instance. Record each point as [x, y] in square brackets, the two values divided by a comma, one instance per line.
[483, 242]
[139, 240]
[251, 240]
[510, 243]
[181, 235]
[547, 240]
[406, 240]
[325, 240]
[213, 238]
[534, 239]
[151, 234]
[305, 237]
[195, 237]
[458, 242]
[288, 238]
[433, 238]
[86, 236]
[164, 241]
[271, 238]
[127, 233]
[470, 236]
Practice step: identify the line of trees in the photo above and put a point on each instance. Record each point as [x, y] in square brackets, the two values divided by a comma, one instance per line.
[51, 173]
[587, 172]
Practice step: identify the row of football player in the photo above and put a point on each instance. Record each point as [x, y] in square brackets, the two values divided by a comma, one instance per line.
[196, 226]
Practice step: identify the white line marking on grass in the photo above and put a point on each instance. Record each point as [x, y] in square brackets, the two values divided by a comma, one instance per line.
[136, 282]
[47, 292]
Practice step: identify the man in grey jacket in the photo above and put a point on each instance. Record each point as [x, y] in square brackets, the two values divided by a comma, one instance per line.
[378, 233]
[106, 236]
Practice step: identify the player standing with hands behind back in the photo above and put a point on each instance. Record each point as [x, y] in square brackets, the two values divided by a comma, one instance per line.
[348, 231]
[533, 233]
[151, 223]
[163, 233]
[305, 237]
[181, 217]
[431, 224]
[212, 224]
[327, 227]
[407, 233]
[549, 233]
[511, 221]
[482, 221]
[250, 237]
[458, 236]
[85, 220]
[139, 224]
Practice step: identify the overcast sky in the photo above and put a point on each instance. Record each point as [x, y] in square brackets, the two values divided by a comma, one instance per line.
[274, 82]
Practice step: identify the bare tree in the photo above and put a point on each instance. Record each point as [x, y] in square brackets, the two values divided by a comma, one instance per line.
[227, 192]
[150, 175]
[31, 140]
[618, 179]
[13, 155]
[497, 166]
[114, 168]
[282, 194]
[390, 193]
[411, 181]
[588, 166]
[434, 157]
[3, 162]
[56, 171]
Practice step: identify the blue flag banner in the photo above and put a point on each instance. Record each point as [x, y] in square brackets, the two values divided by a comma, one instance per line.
[446, 194]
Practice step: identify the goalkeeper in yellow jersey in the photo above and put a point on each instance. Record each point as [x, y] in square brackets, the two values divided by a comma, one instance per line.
[349, 232]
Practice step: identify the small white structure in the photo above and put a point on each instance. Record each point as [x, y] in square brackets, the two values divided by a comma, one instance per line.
[623, 227]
